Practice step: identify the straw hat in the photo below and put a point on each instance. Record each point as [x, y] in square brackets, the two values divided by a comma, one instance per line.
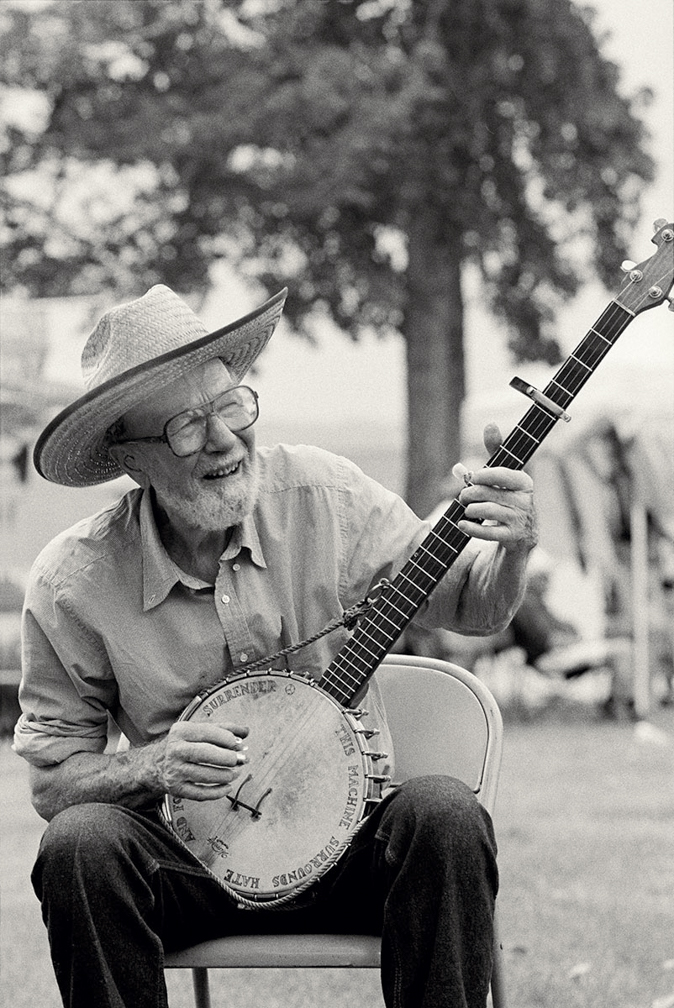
[134, 350]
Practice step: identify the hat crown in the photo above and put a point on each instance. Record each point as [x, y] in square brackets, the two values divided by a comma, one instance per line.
[138, 332]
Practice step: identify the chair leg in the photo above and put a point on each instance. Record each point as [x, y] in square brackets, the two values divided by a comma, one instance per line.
[202, 994]
[498, 992]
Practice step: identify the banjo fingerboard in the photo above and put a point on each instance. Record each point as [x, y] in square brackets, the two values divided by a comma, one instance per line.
[400, 599]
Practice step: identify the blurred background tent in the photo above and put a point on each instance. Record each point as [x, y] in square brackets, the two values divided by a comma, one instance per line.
[605, 493]
[626, 408]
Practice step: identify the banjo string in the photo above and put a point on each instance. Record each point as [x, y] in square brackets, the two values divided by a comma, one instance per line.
[348, 619]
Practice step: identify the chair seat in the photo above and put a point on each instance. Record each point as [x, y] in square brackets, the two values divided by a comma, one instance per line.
[279, 951]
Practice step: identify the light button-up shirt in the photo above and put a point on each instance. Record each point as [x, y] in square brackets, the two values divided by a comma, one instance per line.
[113, 626]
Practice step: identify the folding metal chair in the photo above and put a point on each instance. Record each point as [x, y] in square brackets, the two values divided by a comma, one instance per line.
[443, 720]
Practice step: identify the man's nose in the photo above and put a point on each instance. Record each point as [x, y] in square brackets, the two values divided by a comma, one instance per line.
[218, 435]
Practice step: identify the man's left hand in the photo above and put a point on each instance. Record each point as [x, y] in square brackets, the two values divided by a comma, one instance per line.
[499, 503]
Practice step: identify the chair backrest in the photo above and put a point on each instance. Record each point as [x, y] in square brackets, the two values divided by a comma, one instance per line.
[442, 720]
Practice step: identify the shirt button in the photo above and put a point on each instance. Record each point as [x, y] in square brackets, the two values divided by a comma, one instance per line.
[243, 656]
[225, 599]
[236, 566]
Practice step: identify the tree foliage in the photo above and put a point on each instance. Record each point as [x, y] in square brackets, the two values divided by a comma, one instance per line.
[362, 151]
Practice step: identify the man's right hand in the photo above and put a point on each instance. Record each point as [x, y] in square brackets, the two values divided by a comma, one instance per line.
[199, 761]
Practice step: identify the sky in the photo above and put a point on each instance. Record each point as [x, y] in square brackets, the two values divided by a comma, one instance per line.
[642, 44]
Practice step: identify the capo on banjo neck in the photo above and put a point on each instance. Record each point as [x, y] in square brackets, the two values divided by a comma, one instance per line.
[540, 398]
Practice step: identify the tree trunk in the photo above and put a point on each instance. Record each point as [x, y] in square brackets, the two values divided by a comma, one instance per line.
[433, 331]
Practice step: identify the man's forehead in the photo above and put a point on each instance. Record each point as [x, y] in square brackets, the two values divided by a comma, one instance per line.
[195, 387]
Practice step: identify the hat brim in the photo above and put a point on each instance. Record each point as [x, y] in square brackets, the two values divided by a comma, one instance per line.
[72, 448]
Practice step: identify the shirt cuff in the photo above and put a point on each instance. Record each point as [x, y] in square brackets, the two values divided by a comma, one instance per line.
[45, 745]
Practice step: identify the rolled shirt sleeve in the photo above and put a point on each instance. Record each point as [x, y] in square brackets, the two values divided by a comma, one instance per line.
[70, 688]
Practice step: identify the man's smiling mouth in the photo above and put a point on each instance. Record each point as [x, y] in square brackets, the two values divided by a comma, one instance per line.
[222, 472]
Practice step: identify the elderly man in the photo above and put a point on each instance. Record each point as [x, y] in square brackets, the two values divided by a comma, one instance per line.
[223, 554]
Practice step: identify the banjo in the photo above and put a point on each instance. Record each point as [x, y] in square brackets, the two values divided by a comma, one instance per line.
[311, 776]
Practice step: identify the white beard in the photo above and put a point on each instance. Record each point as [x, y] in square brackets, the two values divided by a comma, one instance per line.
[211, 512]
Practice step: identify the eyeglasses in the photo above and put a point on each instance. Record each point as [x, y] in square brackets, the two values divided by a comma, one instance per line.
[187, 432]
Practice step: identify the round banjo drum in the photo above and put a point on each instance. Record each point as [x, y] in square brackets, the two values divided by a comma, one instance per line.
[298, 800]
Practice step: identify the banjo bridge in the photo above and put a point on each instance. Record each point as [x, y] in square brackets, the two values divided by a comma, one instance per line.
[308, 785]
[237, 803]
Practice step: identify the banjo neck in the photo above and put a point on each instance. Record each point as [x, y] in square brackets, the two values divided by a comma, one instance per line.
[399, 600]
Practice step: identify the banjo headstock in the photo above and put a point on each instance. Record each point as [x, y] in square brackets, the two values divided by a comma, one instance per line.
[649, 283]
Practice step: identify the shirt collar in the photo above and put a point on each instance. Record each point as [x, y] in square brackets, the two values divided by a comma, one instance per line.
[245, 536]
[161, 573]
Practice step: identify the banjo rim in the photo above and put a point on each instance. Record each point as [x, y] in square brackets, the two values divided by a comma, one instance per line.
[287, 885]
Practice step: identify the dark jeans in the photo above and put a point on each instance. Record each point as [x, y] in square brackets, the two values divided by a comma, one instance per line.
[117, 890]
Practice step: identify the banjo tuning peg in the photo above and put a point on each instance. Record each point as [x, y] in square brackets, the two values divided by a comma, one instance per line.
[357, 712]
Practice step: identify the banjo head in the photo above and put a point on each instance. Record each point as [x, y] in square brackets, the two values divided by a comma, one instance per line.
[298, 799]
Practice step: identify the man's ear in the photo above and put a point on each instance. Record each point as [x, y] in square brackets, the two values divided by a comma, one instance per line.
[128, 462]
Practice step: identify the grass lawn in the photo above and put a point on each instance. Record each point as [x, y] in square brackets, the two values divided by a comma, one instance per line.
[585, 820]
[586, 829]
